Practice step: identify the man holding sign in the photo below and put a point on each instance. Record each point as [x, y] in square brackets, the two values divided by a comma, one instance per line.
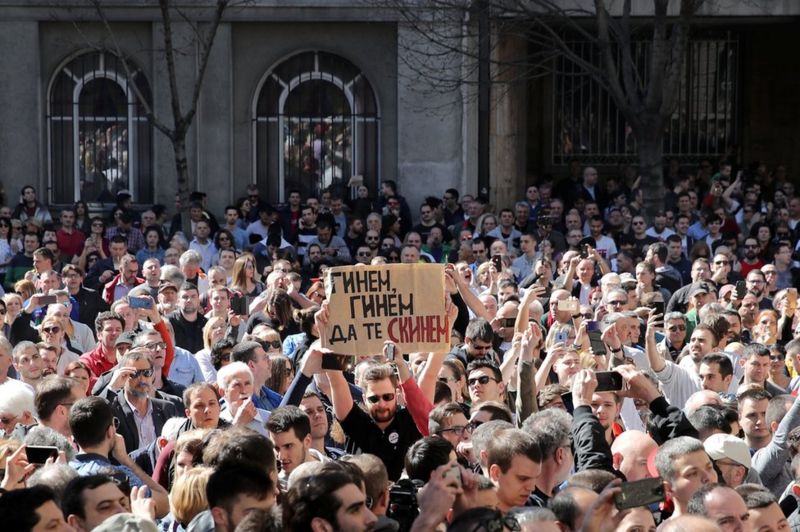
[404, 307]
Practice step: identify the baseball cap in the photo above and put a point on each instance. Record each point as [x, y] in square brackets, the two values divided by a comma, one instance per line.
[125, 338]
[166, 286]
[720, 446]
[703, 287]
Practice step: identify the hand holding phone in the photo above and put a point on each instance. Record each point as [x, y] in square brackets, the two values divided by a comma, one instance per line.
[391, 352]
[640, 493]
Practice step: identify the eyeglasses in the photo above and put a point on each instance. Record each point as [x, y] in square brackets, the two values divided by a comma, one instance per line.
[7, 420]
[116, 422]
[722, 262]
[147, 373]
[483, 380]
[776, 358]
[458, 430]
[363, 253]
[155, 346]
[275, 344]
[444, 379]
[638, 223]
[387, 398]
[675, 328]
[51, 330]
[617, 303]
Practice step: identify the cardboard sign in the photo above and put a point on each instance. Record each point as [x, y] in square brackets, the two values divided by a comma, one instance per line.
[403, 303]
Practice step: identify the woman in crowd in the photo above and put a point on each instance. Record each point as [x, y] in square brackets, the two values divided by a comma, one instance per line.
[82, 221]
[282, 373]
[79, 371]
[6, 251]
[244, 281]
[213, 332]
[153, 242]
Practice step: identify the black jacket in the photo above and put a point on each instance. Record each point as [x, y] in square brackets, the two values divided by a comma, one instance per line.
[90, 304]
[162, 411]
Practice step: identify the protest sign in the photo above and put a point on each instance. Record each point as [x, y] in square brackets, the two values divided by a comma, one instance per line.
[368, 305]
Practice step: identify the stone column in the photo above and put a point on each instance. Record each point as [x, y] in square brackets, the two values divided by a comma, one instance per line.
[507, 135]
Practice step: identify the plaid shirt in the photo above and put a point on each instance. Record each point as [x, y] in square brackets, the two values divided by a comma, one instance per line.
[135, 238]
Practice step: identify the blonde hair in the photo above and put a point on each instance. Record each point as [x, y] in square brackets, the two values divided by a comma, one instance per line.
[207, 330]
[188, 495]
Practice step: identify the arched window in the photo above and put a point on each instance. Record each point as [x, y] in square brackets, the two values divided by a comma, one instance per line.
[99, 139]
[316, 125]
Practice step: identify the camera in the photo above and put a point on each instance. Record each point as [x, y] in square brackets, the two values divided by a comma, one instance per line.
[403, 506]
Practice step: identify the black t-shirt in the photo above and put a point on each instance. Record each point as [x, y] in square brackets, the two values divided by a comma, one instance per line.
[188, 334]
[390, 445]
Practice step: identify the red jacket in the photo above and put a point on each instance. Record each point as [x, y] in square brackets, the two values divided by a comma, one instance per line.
[108, 290]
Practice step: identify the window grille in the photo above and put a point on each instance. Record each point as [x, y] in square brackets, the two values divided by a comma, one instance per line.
[587, 125]
[99, 140]
[316, 125]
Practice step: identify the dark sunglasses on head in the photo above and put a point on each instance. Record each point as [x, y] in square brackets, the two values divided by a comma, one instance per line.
[387, 398]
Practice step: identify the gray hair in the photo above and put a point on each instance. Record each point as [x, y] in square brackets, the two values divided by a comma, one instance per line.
[533, 515]
[54, 476]
[46, 437]
[16, 399]
[172, 428]
[675, 316]
[21, 347]
[172, 274]
[226, 373]
[190, 257]
[550, 430]
[672, 450]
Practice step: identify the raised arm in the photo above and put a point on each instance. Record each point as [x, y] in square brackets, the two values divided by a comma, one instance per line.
[569, 277]
[469, 298]
[650, 345]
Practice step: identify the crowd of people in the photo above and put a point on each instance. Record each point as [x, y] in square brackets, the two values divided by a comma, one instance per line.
[608, 370]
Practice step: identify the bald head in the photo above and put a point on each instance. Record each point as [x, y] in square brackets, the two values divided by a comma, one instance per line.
[695, 523]
[701, 398]
[630, 451]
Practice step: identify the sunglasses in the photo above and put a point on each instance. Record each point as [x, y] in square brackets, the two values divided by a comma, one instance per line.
[142, 373]
[51, 330]
[275, 344]
[675, 328]
[615, 303]
[387, 398]
[483, 380]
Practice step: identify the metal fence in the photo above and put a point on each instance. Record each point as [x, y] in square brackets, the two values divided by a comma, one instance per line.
[587, 125]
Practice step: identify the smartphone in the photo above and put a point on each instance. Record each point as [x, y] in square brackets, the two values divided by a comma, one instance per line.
[569, 405]
[140, 302]
[741, 289]
[39, 454]
[497, 260]
[640, 493]
[569, 305]
[596, 342]
[659, 336]
[791, 297]
[584, 251]
[47, 300]
[391, 352]
[659, 307]
[509, 322]
[338, 362]
[592, 326]
[239, 306]
[561, 337]
[608, 381]
[454, 473]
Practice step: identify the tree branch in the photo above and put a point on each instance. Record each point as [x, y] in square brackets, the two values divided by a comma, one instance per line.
[130, 75]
